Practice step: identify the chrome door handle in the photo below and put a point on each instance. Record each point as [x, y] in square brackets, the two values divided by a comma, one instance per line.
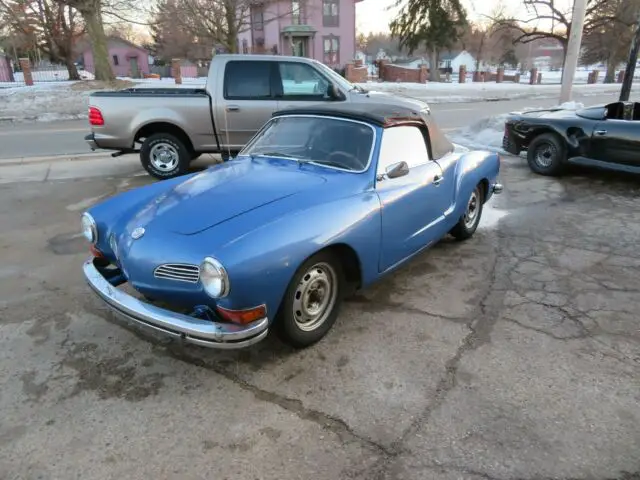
[437, 179]
[232, 108]
[601, 132]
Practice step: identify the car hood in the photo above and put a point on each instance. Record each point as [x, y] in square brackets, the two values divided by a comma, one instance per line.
[221, 193]
[396, 99]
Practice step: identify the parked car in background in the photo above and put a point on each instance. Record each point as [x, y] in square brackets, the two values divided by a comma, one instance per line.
[604, 136]
[171, 127]
[322, 201]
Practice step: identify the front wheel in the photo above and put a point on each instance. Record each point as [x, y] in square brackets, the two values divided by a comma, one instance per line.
[312, 301]
[165, 156]
[469, 221]
[546, 154]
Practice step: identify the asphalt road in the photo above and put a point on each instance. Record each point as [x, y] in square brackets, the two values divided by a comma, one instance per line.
[513, 355]
[58, 138]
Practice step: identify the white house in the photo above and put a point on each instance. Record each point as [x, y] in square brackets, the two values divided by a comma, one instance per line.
[455, 59]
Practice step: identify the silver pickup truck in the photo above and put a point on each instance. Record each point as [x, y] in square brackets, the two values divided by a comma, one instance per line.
[171, 127]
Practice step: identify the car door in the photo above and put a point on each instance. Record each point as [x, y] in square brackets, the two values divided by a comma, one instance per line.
[300, 85]
[616, 141]
[412, 205]
[248, 100]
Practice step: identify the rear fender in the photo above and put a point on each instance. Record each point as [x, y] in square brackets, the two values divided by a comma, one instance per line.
[474, 168]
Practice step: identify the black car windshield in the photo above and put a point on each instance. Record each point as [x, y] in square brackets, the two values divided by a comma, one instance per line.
[330, 142]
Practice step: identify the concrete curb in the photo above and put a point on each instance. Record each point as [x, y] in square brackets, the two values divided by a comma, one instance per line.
[54, 158]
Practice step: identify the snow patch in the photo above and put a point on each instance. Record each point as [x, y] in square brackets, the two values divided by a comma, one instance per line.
[491, 217]
[487, 133]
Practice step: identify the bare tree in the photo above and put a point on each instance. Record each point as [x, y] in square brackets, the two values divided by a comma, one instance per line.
[541, 13]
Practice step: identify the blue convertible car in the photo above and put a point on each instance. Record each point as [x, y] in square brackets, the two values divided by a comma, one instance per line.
[320, 201]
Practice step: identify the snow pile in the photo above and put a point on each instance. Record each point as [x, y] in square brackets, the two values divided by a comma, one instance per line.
[487, 133]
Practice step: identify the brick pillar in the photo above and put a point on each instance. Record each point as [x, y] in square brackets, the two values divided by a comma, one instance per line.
[590, 78]
[533, 77]
[539, 79]
[596, 74]
[349, 73]
[516, 78]
[358, 62]
[424, 74]
[175, 71]
[620, 76]
[25, 66]
[477, 76]
[462, 74]
[500, 75]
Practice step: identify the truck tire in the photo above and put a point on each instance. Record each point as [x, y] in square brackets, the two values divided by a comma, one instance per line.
[165, 156]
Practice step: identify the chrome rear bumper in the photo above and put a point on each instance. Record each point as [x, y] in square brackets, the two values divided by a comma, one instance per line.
[190, 329]
[497, 188]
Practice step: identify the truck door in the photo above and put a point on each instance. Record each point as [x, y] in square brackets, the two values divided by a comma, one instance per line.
[247, 102]
[300, 85]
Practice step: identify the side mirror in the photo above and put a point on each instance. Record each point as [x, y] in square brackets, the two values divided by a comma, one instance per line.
[396, 170]
[333, 93]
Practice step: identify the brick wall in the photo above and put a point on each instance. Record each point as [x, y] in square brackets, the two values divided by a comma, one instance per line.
[356, 74]
[395, 73]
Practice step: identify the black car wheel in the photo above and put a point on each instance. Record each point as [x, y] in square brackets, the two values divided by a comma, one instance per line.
[164, 156]
[546, 154]
[312, 301]
[470, 219]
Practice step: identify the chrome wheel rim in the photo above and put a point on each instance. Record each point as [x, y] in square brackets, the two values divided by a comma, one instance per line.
[545, 154]
[315, 296]
[473, 209]
[164, 157]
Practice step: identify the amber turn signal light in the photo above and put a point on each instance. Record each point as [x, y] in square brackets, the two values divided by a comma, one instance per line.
[243, 316]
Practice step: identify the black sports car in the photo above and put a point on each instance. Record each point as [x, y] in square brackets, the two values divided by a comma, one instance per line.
[606, 136]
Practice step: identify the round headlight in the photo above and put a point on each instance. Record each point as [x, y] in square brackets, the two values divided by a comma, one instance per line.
[214, 278]
[89, 228]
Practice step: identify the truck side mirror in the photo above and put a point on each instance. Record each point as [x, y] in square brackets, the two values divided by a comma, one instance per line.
[333, 93]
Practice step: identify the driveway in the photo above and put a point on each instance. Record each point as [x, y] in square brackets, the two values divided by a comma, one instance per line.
[514, 355]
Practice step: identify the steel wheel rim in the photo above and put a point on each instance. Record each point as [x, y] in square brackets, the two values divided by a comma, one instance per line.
[164, 157]
[315, 296]
[545, 154]
[473, 208]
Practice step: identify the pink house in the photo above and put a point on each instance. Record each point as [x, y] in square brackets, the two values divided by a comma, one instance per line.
[321, 29]
[6, 72]
[127, 59]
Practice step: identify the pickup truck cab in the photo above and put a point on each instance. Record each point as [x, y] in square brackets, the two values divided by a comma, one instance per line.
[171, 127]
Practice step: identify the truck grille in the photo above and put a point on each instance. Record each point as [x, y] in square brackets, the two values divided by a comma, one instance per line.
[181, 272]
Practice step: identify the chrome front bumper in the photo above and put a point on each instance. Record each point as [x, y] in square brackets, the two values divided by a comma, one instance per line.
[190, 329]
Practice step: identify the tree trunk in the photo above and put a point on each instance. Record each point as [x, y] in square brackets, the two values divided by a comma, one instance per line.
[611, 69]
[232, 26]
[434, 71]
[95, 29]
[71, 68]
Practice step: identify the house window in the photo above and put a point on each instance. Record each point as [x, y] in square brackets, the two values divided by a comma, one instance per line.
[116, 62]
[330, 13]
[296, 17]
[331, 47]
[257, 18]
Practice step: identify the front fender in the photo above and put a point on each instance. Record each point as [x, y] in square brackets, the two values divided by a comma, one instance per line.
[262, 262]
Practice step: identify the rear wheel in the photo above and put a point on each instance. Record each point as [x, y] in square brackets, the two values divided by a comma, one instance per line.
[469, 221]
[546, 154]
[165, 156]
[312, 301]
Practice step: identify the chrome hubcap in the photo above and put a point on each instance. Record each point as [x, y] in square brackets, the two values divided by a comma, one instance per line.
[545, 155]
[164, 157]
[473, 207]
[315, 297]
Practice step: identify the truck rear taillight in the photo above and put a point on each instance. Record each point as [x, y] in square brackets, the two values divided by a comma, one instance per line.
[95, 117]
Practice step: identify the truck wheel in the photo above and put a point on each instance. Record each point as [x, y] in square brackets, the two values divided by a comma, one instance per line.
[164, 156]
[546, 154]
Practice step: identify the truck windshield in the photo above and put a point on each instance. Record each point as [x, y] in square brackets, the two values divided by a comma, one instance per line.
[326, 141]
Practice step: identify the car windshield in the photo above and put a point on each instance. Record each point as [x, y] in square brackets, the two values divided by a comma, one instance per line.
[330, 142]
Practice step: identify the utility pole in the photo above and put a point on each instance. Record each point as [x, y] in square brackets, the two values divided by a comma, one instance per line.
[630, 70]
[573, 49]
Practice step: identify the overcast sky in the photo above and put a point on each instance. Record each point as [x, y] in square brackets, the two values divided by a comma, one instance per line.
[373, 16]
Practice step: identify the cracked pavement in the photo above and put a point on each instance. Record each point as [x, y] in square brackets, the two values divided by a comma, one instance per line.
[514, 355]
